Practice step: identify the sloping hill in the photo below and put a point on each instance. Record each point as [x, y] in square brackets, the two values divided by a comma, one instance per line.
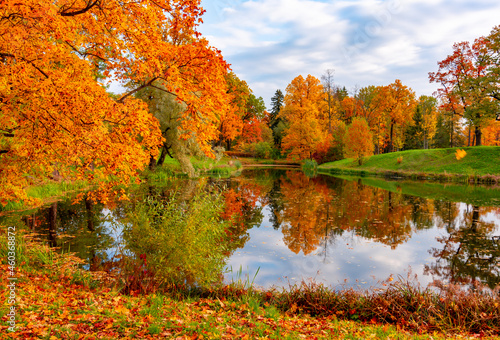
[480, 163]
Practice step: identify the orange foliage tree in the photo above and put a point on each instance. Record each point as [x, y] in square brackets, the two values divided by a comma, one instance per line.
[358, 140]
[244, 115]
[303, 109]
[398, 105]
[55, 112]
[469, 79]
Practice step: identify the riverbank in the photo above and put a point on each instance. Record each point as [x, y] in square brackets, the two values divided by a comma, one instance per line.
[480, 165]
[54, 299]
[51, 190]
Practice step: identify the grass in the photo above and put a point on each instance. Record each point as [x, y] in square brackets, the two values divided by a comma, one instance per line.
[56, 299]
[481, 164]
[203, 166]
[46, 192]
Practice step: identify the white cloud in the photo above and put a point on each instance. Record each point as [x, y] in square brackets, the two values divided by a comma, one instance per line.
[367, 42]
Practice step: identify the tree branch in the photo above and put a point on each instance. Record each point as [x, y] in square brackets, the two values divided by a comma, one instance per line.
[84, 54]
[65, 12]
[128, 94]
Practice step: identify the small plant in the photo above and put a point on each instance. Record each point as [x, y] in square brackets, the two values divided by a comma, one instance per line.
[400, 159]
[237, 164]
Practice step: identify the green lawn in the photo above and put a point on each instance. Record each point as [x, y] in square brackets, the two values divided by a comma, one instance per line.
[479, 161]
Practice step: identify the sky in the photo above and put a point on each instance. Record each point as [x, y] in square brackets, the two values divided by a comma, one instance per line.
[366, 42]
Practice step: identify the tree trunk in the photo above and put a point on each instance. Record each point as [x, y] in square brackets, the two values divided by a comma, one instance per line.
[152, 163]
[451, 132]
[391, 148]
[164, 152]
[478, 134]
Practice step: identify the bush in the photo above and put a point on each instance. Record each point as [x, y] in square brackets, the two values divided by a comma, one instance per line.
[263, 150]
[260, 150]
[178, 242]
[238, 165]
[310, 167]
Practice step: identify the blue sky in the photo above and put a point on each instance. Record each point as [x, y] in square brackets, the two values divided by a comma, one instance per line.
[366, 42]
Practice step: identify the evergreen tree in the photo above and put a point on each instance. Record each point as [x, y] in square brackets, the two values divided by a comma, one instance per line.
[415, 132]
[276, 123]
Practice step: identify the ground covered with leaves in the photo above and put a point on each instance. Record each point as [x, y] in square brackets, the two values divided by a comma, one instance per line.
[62, 302]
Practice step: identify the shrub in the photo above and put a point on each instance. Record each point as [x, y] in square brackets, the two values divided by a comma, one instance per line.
[178, 242]
[310, 167]
[263, 150]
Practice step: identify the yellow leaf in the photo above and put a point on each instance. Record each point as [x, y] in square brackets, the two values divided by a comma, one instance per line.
[460, 154]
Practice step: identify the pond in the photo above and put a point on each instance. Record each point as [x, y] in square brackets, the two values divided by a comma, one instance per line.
[343, 232]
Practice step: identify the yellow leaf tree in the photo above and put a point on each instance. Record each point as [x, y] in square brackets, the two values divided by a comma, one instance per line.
[397, 102]
[55, 112]
[304, 110]
[358, 140]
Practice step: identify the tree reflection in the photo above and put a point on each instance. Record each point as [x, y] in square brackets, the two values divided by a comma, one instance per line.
[316, 211]
[470, 251]
[312, 213]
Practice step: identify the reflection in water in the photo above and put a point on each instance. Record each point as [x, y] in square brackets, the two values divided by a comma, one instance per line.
[470, 250]
[292, 225]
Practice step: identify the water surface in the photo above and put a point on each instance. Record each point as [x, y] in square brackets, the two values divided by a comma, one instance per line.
[337, 231]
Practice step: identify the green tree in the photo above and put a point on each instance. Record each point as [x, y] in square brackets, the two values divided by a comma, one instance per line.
[415, 131]
[422, 130]
[276, 123]
[167, 110]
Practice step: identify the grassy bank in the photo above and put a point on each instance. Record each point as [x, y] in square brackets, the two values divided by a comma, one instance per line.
[225, 167]
[481, 164]
[46, 192]
[50, 191]
[57, 300]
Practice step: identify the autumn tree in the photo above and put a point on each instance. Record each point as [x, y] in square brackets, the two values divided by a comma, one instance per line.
[339, 94]
[56, 115]
[304, 110]
[397, 103]
[302, 138]
[244, 111]
[231, 126]
[469, 81]
[358, 140]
